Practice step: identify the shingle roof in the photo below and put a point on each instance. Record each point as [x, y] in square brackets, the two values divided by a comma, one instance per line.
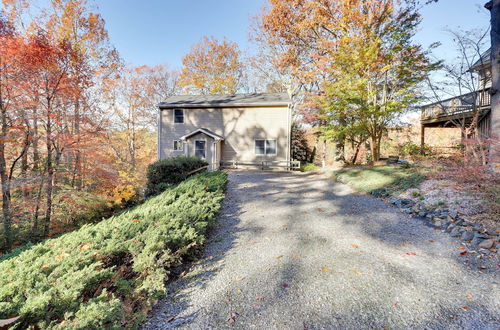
[223, 101]
[484, 59]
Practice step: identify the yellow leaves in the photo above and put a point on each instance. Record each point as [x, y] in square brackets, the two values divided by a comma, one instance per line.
[136, 220]
[212, 67]
[324, 269]
[62, 256]
[355, 246]
[85, 246]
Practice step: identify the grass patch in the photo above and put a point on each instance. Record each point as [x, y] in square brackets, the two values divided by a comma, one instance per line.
[382, 180]
[306, 167]
[109, 274]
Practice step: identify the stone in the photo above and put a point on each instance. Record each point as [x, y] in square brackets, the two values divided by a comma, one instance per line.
[451, 226]
[422, 214]
[467, 235]
[476, 226]
[455, 232]
[453, 214]
[476, 241]
[406, 201]
[486, 244]
[480, 235]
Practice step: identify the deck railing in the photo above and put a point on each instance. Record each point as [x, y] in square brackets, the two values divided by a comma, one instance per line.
[462, 104]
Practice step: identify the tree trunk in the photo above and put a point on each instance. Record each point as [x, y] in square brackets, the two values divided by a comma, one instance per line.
[494, 7]
[50, 174]
[375, 148]
[36, 153]
[7, 218]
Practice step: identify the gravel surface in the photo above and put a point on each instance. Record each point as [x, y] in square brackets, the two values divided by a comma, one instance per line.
[298, 251]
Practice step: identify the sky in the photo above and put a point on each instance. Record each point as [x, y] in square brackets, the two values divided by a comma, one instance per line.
[162, 31]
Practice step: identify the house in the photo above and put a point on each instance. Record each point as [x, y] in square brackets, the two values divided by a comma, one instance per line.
[462, 109]
[243, 130]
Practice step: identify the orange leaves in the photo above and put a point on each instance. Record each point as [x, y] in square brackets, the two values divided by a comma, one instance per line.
[355, 246]
[324, 269]
[212, 67]
[136, 220]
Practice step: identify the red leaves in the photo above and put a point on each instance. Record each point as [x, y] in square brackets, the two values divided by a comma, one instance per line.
[463, 253]
[411, 253]
[285, 285]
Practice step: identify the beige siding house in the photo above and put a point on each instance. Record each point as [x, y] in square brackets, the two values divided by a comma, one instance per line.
[227, 130]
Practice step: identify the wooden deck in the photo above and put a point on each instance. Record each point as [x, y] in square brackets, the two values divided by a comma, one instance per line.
[456, 108]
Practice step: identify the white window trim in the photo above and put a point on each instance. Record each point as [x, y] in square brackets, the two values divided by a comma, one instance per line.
[183, 116]
[194, 147]
[179, 141]
[265, 147]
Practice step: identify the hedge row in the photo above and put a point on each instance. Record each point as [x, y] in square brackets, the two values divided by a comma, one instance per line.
[167, 172]
[109, 274]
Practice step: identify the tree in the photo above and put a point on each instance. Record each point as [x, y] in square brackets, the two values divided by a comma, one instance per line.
[458, 79]
[212, 67]
[369, 41]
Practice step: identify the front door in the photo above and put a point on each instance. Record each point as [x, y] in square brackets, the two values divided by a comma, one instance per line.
[200, 148]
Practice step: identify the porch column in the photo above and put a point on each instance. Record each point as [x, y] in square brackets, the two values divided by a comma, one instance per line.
[422, 138]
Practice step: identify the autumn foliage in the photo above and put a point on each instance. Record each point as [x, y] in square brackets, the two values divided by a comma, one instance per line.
[76, 126]
[212, 67]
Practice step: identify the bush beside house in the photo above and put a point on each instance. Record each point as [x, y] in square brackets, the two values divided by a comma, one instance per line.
[108, 275]
[167, 172]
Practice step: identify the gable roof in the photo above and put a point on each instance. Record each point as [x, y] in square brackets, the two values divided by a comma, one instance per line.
[205, 131]
[484, 59]
[226, 101]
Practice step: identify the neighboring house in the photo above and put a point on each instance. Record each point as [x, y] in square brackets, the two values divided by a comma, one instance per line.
[227, 130]
[461, 109]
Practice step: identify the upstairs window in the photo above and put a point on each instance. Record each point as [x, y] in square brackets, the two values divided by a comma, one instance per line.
[265, 147]
[178, 116]
[178, 145]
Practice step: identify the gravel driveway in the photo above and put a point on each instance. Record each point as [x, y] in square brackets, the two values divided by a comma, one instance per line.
[298, 251]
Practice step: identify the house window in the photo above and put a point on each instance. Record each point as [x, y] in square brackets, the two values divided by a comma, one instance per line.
[265, 147]
[199, 148]
[178, 145]
[178, 116]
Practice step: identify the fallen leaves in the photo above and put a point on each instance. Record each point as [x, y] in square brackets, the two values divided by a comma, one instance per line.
[357, 272]
[320, 209]
[465, 307]
[469, 296]
[170, 319]
[411, 253]
[269, 239]
[136, 220]
[232, 317]
[324, 269]
[260, 298]
[285, 285]
[463, 253]
[355, 246]
[238, 279]
[279, 257]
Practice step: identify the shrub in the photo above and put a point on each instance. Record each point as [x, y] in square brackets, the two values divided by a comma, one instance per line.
[299, 146]
[306, 167]
[167, 172]
[108, 275]
[413, 149]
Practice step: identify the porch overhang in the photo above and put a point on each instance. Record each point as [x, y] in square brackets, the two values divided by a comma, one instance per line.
[205, 131]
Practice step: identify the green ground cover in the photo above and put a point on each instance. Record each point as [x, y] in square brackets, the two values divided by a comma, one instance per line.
[381, 180]
[108, 275]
